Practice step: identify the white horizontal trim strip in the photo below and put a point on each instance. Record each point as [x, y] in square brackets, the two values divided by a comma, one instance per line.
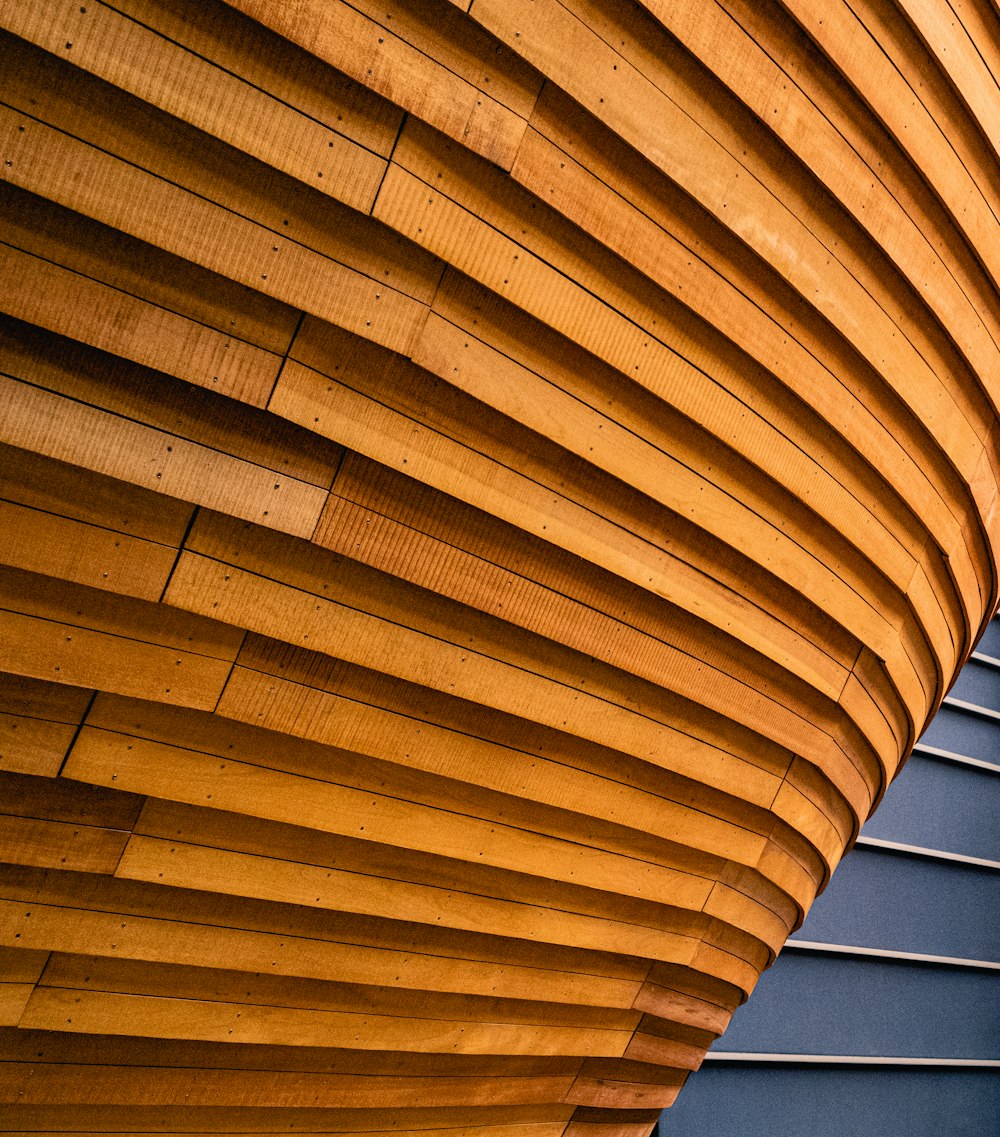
[924, 748]
[981, 657]
[886, 953]
[920, 851]
[961, 704]
[849, 1059]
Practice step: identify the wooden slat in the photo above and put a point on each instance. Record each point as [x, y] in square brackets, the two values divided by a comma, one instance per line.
[489, 496]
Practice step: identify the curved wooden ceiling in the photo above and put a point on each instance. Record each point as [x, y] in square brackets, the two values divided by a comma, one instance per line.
[488, 500]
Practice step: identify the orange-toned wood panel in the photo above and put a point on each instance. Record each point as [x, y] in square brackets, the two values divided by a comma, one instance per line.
[489, 496]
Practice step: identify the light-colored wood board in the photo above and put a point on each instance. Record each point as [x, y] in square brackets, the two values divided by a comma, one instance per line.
[32, 480]
[161, 1017]
[44, 649]
[13, 999]
[864, 62]
[134, 58]
[537, 1120]
[117, 616]
[33, 746]
[138, 977]
[207, 419]
[163, 940]
[629, 102]
[245, 48]
[74, 550]
[80, 308]
[81, 1084]
[414, 745]
[190, 866]
[266, 260]
[75, 103]
[373, 539]
[71, 431]
[284, 613]
[33, 698]
[721, 42]
[58, 844]
[100, 252]
[462, 106]
[99, 757]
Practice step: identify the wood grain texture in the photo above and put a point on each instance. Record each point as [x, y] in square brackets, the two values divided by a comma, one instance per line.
[490, 494]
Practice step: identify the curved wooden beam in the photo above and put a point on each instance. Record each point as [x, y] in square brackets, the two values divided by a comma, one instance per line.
[490, 494]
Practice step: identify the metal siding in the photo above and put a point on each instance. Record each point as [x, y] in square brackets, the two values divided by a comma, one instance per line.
[939, 804]
[891, 900]
[817, 1004]
[966, 733]
[754, 1101]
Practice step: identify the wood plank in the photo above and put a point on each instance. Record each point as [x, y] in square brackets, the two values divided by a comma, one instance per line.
[87, 638]
[60, 800]
[58, 844]
[463, 107]
[18, 965]
[127, 763]
[247, 49]
[160, 1017]
[103, 117]
[123, 935]
[204, 586]
[65, 429]
[138, 977]
[52, 702]
[133, 57]
[33, 746]
[118, 616]
[85, 554]
[640, 816]
[190, 866]
[43, 648]
[106, 894]
[32, 480]
[80, 308]
[205, 418]
[101, 252]
[83, 1084]
[371, 538]
[268, 261]
[537, 1120]
[751, 210]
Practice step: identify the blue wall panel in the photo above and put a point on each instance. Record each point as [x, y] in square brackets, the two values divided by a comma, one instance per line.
[940, 805]
[891, 900]
[963, 732]
[769, 1101]
[990, 642]
[977, 683]
[812, 1003]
